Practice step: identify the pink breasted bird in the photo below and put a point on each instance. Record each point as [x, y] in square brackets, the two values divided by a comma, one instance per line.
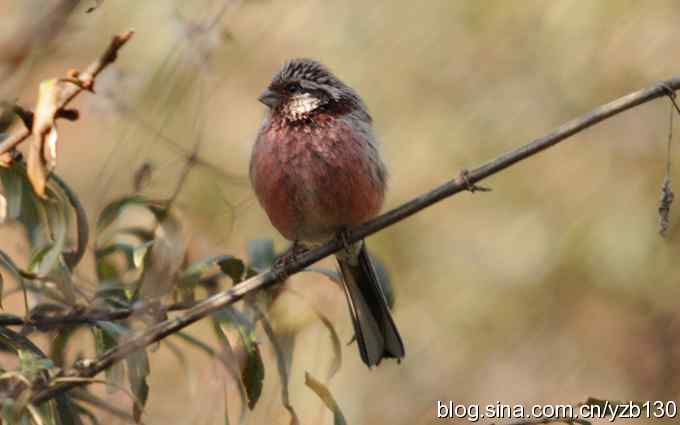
[316, 170]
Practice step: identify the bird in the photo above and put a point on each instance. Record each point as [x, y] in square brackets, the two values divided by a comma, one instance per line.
[317, 171]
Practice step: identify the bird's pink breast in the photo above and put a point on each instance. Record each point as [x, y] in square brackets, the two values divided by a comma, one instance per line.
[313, 180]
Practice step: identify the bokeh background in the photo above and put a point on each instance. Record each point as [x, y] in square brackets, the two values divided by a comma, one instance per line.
[552, 288]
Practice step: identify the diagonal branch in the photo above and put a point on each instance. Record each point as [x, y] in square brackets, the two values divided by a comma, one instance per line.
[464, 182]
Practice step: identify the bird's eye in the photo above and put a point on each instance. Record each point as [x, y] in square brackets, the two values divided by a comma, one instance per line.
[293, 88]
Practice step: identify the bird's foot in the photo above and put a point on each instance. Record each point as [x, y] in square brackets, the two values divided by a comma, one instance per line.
[343, 237]
[288, 257]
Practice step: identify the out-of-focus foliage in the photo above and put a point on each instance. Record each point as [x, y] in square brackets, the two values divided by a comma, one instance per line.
[126, 258]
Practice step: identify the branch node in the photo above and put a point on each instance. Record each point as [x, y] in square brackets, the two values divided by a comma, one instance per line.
[670, 93]
[464, 179]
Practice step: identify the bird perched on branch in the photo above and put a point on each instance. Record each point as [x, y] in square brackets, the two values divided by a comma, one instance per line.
[316, 170]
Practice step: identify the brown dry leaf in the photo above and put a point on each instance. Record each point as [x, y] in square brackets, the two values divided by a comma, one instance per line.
[3, 208]
[5, 159]
[42, 152]
[165, 259]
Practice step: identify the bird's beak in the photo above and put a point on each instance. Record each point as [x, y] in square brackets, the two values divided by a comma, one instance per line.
[270, 98]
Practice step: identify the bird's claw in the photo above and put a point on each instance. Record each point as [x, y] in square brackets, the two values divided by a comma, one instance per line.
[288, 257]
[343, 236]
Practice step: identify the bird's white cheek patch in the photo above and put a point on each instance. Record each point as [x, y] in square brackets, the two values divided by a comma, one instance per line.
[302, 104]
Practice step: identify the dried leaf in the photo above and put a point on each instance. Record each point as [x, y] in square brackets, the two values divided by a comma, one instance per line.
[42, 152]
[3, 209]
[283, 363]
[163, 262]
[325, 395]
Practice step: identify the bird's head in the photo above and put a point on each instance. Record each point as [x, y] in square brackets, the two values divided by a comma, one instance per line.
[304, 87]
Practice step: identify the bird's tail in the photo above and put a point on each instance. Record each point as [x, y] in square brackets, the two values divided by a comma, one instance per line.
[376, 334]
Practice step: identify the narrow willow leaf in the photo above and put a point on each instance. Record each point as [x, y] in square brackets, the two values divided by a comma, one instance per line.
[114, 209]
[8, 264]
[190, 276]
[82, 226]
[35, 414]
[325, 395]
[138, 371]
[164, 260]
[18, 343]
[108, 406]
[59, 343]
[253, 372]
[336, 362]
[261, 254]
[11, 179]
[283, 364]
[231, 367]
[232, 267]
[82, 411]
[67, 412]
[106, 336]
[48, 261]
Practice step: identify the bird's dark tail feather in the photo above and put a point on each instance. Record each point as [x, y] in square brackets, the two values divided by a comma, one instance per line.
[376, 334]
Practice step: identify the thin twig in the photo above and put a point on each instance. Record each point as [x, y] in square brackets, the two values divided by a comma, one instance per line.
[210, 305]
[73, 90]
[667, 194]
[45, 322]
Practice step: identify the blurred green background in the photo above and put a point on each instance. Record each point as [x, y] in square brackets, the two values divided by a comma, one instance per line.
[551, 288]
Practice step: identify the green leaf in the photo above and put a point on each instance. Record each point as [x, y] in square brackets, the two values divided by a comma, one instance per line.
[48, 261]
[57, 221]
[252, 375]
[23, 204]
[134, 254]
[106, 336]
[232, 267]
[113, 210]
[261, 254]
[192, 274]
[325, 395]
[232, 367]
[82, 411]
[82, 227]
[59, 343]
[13, 190]
[7, 263]
[282, 363]
[18, 343]
[67, 412]
[138, 371]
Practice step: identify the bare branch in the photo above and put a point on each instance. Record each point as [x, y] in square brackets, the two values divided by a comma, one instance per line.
[47, 322]
[466, 180]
